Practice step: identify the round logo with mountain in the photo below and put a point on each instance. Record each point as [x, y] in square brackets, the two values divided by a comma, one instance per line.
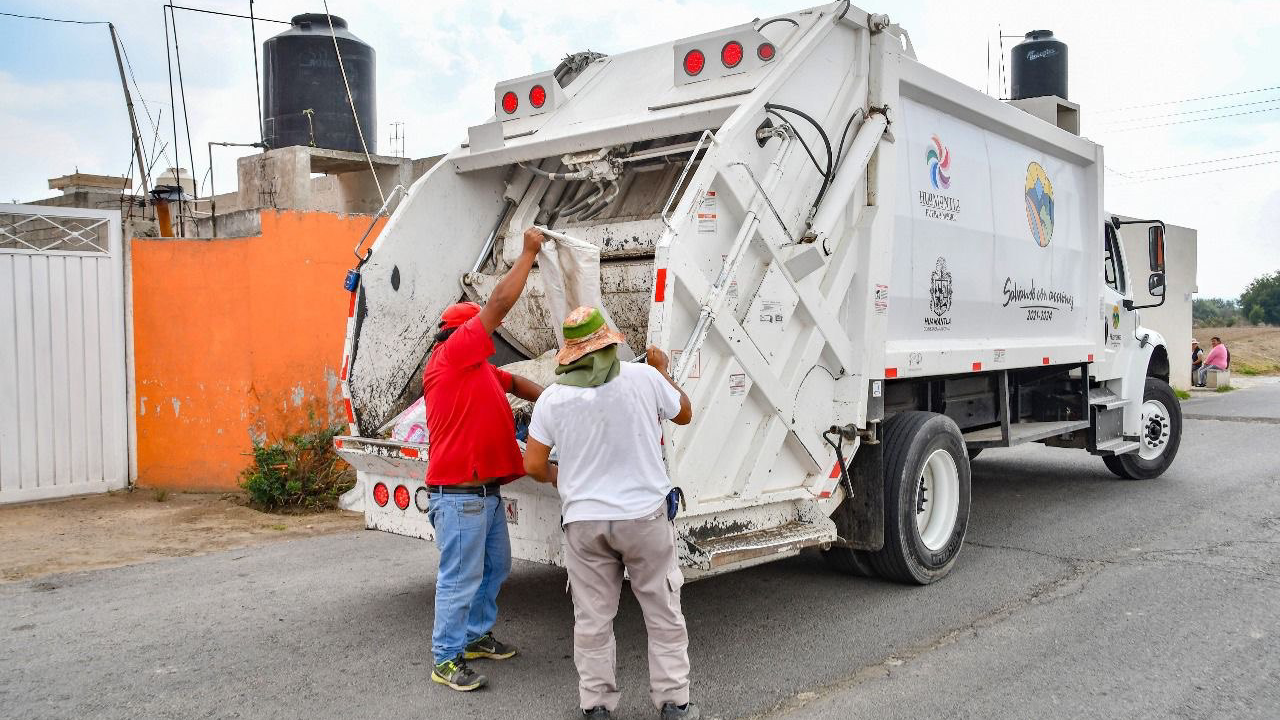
[1039, 199]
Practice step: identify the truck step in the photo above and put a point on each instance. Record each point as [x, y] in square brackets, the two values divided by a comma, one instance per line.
[1105, 399]
[1116, 446]
[787, 539]
[1021, 433]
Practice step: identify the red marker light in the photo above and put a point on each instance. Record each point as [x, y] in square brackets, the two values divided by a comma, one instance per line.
[402, 497]
[510, 102]
[380, 495]
[538, 96]
[731, 53]
[694, 61]
[766, 51]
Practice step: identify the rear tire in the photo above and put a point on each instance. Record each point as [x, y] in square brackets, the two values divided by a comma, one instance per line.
[1161, 435]
[926, 498]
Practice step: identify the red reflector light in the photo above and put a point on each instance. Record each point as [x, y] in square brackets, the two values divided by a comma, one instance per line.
[694, 61]
[380, 495]
[731, 53]
[765, 52]
[510, 102]
[538, 96]
[402, 497]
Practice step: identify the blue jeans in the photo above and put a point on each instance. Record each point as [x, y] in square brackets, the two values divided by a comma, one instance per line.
[475, 557]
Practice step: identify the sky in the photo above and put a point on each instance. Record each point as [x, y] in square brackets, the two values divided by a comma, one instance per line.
[1137, 68]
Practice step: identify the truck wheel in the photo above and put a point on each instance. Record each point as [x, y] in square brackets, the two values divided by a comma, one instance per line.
[926, 498]
[1161, 434]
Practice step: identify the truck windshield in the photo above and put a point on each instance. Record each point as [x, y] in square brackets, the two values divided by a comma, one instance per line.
[1113, 261]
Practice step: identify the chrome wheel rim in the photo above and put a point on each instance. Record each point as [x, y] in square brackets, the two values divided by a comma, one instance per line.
[937, 500]
[1155, 430]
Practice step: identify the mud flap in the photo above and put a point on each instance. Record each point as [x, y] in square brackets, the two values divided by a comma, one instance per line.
[860, 520]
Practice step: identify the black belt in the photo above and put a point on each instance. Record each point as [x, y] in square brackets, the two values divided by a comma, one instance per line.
[494, 488]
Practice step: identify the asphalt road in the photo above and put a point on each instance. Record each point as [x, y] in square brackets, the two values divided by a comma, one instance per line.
[1077, 595]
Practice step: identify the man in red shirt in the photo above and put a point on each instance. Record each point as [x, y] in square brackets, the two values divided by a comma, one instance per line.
[473, 452]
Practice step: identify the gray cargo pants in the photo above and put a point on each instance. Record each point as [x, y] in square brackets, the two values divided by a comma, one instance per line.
[596, 553]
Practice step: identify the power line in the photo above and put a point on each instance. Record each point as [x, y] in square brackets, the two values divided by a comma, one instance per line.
[1201, 172]
[1198, 162]
[1215, 108]
[1194, 99]
[61, 20]
[1184, 122]
[226, 14]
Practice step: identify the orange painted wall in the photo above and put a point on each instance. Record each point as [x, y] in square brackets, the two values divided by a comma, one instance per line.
[237, 339]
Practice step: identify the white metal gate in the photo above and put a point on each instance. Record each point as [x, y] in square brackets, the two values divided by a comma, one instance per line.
[64, 414]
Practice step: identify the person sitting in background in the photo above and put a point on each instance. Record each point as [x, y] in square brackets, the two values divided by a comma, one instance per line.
[1219, 358]
[604, 418]
[1197, 360]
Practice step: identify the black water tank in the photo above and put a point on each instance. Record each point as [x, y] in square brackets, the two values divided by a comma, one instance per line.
[301, 73]
[1039, 66]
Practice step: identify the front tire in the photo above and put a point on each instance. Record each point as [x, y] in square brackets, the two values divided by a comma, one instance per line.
[1160, 435]
[926, 493]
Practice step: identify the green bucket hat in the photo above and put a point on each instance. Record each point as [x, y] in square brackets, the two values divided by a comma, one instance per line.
[585, 331]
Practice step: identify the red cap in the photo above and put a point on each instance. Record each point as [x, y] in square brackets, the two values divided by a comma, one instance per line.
[457, 314]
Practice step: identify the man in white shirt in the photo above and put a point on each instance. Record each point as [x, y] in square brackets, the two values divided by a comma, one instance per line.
[604, 417]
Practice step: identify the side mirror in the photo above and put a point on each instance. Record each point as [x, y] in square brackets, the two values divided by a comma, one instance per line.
[1155, 249]
[1155, 284]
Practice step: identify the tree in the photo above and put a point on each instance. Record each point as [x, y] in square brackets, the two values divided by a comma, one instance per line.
[1256, 315]
[1262, 295]
[1214, 312]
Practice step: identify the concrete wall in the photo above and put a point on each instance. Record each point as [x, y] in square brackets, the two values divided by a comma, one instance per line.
[237, 340]
[1173, 319]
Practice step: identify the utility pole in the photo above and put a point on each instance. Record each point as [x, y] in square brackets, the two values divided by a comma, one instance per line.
[133, 119]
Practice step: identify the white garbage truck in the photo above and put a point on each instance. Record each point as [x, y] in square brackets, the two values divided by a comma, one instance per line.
[865, 271]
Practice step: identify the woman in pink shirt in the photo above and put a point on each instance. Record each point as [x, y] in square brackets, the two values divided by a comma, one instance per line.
[1218, 358]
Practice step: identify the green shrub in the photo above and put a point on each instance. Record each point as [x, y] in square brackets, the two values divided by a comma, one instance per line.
[300, 473]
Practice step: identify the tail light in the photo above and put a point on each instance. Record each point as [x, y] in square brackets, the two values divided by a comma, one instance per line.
[380, 494]
[694, 61]
[731, 54]
[741, 49]
[541, 93]
[510, 102]
[402, 497]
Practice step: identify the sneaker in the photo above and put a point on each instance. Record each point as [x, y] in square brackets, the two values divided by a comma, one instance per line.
[672, 711]
[457, 675]
[599, 712]
[488, 647]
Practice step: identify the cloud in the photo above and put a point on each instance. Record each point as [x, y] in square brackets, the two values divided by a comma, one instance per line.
[439, 60]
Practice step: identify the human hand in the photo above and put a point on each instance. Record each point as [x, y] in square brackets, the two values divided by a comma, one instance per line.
[533, 239]
[657, 359]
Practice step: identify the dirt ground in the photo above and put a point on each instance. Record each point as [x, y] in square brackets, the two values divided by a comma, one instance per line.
[1252, 348]
[124, 527]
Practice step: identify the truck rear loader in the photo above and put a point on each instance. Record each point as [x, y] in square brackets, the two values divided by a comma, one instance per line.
[866, 273]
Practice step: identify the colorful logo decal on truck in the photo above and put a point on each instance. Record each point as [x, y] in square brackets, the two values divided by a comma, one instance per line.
[1115, 316]
[939, 159]
[1039, 197]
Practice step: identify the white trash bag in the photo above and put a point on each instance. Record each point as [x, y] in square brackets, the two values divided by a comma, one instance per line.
[571, 279]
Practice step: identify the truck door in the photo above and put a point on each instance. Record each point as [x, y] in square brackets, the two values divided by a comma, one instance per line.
[1118, 324]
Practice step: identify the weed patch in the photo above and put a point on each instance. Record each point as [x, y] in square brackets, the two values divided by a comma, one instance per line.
[1182, 394]
[299, 473]
[1224, 388]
